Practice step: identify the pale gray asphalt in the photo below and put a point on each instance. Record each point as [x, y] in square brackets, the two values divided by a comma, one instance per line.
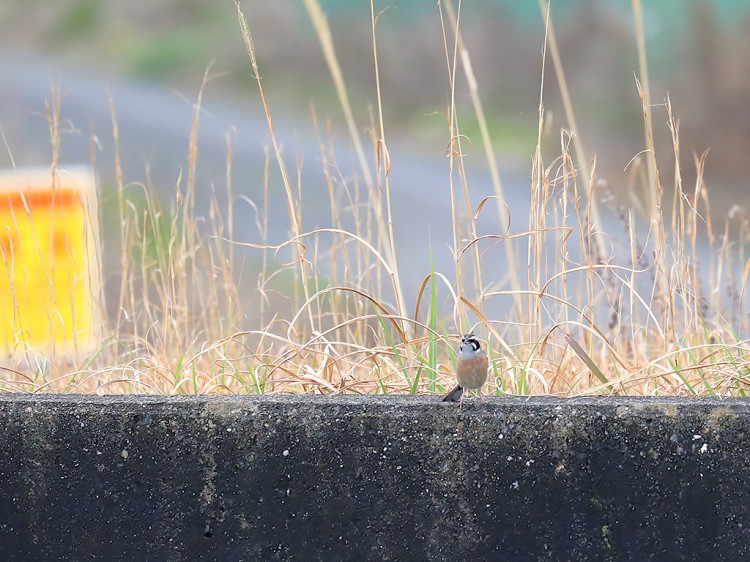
[155, 127]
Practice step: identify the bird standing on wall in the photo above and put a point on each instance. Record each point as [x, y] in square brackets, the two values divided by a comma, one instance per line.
[471, 368]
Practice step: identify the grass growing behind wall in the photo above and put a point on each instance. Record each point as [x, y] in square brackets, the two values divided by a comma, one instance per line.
[590, 312]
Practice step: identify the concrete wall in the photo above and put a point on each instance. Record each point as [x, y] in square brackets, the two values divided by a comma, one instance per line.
[359, 478]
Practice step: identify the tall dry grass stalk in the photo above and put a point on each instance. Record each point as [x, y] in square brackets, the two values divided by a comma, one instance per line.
[595, 312]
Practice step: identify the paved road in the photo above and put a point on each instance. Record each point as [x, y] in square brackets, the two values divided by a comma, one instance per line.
[155, 127]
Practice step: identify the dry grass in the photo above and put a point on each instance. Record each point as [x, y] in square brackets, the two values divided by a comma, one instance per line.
[591, 312]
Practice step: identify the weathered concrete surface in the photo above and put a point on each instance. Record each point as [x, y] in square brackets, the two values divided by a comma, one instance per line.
[357, 478]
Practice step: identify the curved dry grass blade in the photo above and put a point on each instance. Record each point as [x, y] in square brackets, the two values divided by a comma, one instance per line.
[488, 325]
[595, 331]
[424, 285]
[589, 267]
[586, 359]
[504, 204]
[511, 236]
[374, 301]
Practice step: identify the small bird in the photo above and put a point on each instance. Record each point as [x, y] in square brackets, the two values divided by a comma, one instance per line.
[471, 368]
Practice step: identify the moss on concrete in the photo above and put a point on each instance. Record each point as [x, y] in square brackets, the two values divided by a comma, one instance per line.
[364, 478]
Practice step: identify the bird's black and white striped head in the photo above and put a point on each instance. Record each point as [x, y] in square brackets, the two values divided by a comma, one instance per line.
[469, 345]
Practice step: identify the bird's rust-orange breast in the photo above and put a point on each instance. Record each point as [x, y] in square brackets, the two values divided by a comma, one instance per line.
[472, 373]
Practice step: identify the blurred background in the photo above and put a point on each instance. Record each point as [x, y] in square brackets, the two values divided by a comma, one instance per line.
[151, 58]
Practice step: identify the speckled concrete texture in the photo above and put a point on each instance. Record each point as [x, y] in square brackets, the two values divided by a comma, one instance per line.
[363, 478]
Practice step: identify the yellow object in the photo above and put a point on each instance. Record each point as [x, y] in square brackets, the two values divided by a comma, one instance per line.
[49, 273]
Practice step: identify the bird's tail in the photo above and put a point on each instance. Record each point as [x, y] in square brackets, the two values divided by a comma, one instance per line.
[454, 395]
